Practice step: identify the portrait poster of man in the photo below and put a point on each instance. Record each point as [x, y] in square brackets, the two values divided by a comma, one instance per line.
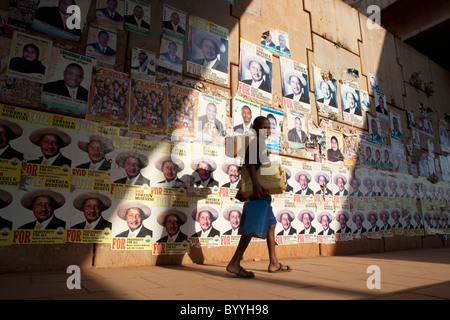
[416, 138]
[286, 228]
[276, 40]
[182, 111]
[21, 13]
[295, 85]
[326, 93]
[243, 114]
[148, 107]
[342, 223]
[375, 135]
[54, 18]
[109, 97]
[207, 54]
[297, 133]
[325, 222]
[322, 182]
[444, 140]
[341, 183]
[396, 126]
[276, 117]
[29, 57]
[174, 21]
[306, 213]
[373, 82]
[171, 168]
[137, 17]
[380, 105]
[143, 64]
[68, 81]
[365, 100]
[335, 146]
[255, 72]
[399, 156]
[212, 118]
[110, 13]
[101, 44]
[171, 54]
[351, 103]
[205, 218]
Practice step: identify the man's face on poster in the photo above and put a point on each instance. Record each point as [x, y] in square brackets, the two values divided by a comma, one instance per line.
[175, 18]
[169, 170]
[325, 222]
[285, 221]
[96, 151]
[103, 38]
[42, 207]
[4, 136]
[133, 218]
[246, 114]
[73, 76]
[204, 219]
[49, 144]
[326, 92]
[209, 49]
[112, 5]
[132, 167]
[342, 220]
[322, 181]
[340, 184]
[295, 85]
[171, 224]
[233, 173]
[138, 12]
[203, 171]
[235, 219]
[211, 111]
[256, 71]
[306, 220]
[303, 181]
[92, 209]
[350, 99]
[298, 124]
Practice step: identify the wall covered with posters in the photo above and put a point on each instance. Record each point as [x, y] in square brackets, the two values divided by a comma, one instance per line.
[112, 134]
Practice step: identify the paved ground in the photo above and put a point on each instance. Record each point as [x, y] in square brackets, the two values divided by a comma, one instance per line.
[405, 275]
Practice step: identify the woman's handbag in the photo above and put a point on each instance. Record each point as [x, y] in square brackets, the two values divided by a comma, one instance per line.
[255, 217]
[271, 176]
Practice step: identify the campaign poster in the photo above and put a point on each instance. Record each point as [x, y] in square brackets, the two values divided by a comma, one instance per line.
[365, 100]
[295, 85]
[56, 18]
[109, 97]
[285, 215]
[7, 214]
[371, 223]
[322, 182]
[373, 80]
[276, 40]
[174, 21]
[341, 184]
[148, 107]
[231, 212]
[29, 57]
[385, 219]
[110, 13]
[304, 186]
[131, 227]
[101, 44]
[207, 54]
[374, 129]
[416, 138]
[96, 152]
[137, 17]
[31, 225]
[21, 13]
[231, 184]
[275, 117]
[334, 144]
[255, 72]
[212, 119]
[444, 140]
[288, 165]
[68, 81]
[342, 222]
[351, 103]
[182, 111]
[204, 215]
[358, 218]
[399, 156]
[326, 93]
[396, 126]
[171, 54]
[380, 105]
[325, 222]
[243, 114]
[306, 215]
[90, 215]
[297, 129]
[143, 64]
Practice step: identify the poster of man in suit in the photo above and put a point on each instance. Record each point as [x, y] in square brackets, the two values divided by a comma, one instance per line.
[137, 17]
[174, 21]
[243, 114]
[110, 13]
[294, 76]
[351, 103]
[101, 44]
[171, 54]
[211, 118]
[207, 50]
[68, 81]
[326, 93]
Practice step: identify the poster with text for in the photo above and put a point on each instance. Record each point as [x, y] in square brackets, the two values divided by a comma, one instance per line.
[286, 229]
[255, 72]
[102, 45]
[109, 97]
[182, 111]
[231, 212]
[68, 81]
[385, 219]
[148, 107]
[325, 223]
[371, 223]
[207, 53]
[341, 183]
[326, 94]
[90, 217]
[32, 224]
[304, 186]
[205, 221]
[295, 85]
[54, 18]
[7, 214]
[10, 171]
[29, 57]
[343, 221]
[212, 119]
[306, 215]
[137, 17]
[275, 117]
[110, 14]
[351, 103]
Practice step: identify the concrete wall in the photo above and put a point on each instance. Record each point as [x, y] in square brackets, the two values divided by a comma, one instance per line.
[314, 27]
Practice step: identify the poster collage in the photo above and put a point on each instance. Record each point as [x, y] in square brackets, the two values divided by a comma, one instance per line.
[88, 179]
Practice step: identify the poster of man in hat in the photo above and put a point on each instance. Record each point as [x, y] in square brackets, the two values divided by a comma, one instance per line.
[68, 81]
[50, 142]
[351, 103]
[322, 179]
[207, 55]
[306, 216]
[303, 178]
[231, 167]
[340, 180]
[96, 147]
[255, 72]
[89, 217]
[132, 163]
[205, 215]
[326, 93]
[5, 200]
[295, 85]
[324, 218]
[9, 131]
[109, 97]
[170, 166]
[233, 214]
[137, 17]
[148, 107]
[203, 169]
[344, 231]
[172, 220]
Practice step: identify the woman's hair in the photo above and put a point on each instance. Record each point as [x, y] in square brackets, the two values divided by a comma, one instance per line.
[35, 48]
